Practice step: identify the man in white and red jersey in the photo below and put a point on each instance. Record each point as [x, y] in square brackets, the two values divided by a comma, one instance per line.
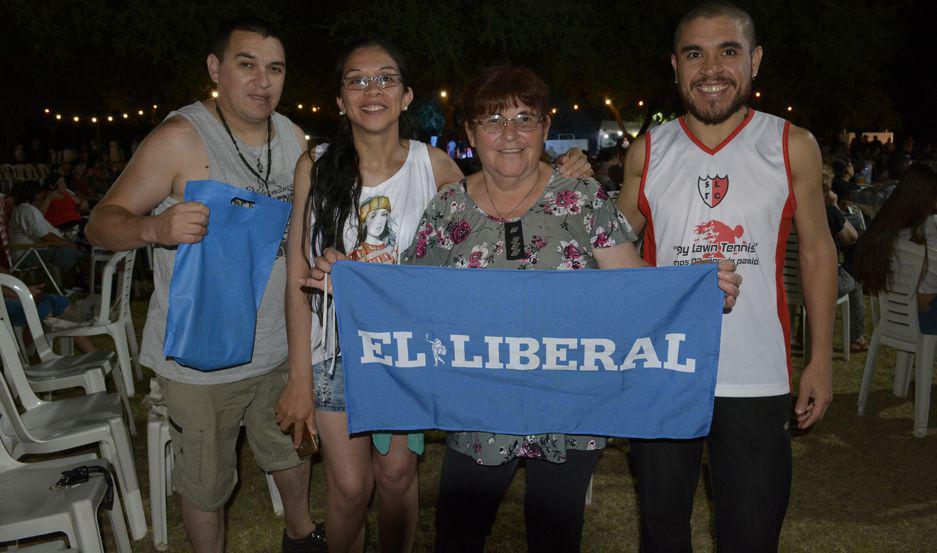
[727, 182]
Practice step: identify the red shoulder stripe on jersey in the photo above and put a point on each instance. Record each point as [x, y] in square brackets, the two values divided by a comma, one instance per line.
[787, 162]
[784, 230]
[650, 244]
[724, 143]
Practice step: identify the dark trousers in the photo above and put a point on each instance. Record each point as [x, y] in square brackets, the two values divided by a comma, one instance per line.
[750, 472]
[470, 494]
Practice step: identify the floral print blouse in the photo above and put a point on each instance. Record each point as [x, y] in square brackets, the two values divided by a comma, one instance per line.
[563, 227]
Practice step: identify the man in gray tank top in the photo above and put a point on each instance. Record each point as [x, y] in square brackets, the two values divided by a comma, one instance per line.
[238, 139]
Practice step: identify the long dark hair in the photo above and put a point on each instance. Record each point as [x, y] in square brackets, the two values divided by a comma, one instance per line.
[909, 207]
[336, 177]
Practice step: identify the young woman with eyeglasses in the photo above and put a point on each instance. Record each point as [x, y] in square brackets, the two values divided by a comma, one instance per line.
[370, 166]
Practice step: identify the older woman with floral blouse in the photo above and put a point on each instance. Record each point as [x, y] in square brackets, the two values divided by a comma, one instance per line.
[518, 213]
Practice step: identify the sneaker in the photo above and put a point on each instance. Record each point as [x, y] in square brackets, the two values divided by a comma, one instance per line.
[55, 323]
[75, 291]
[313, 543]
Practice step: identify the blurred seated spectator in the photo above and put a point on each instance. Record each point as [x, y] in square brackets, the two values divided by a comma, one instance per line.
[80, 180]
[38, 153]
[901, 159]
[63, 208]
[101, 177]
[29, 226]
[842, 185]
[929, 152]
[114, 152]
[56, 312]
[19, 154]
[875, 195]
[845, 234]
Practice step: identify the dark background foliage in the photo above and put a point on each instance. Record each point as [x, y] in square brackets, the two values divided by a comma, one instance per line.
[856, 64]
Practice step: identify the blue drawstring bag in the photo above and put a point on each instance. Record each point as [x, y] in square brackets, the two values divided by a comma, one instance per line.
[217, 284]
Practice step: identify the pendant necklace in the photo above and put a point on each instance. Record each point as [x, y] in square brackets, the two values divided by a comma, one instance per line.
[260, 168]
[513, 231]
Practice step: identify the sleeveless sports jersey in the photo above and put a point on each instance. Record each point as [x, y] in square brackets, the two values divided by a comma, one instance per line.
[732, 202]
[388, 215]
[225, 166]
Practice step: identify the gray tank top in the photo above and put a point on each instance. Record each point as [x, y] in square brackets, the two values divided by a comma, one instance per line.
[225, 166]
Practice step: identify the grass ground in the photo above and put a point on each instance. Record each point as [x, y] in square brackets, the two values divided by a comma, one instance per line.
[861, 484]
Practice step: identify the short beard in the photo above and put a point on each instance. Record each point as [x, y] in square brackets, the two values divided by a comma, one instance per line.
[715, 116]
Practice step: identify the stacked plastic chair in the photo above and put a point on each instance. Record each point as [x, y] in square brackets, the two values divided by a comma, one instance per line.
[31, 505]
[898, 327]
[55, 426]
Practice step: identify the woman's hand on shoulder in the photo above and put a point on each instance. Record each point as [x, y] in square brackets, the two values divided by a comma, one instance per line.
[574, 164]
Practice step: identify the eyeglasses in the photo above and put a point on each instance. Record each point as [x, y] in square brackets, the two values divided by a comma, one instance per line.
[496, 123]
[362, 82]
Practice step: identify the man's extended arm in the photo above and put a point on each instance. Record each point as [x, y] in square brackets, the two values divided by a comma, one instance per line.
[628, 197]
[818, 276]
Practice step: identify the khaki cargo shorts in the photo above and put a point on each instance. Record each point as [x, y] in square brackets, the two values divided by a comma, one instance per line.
[205, 421]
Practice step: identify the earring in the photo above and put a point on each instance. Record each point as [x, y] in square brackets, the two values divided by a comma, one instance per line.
[405, 108]
[341, 112]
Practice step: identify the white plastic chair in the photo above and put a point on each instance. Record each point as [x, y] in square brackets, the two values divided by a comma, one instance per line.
[795, 294]
[29, 508]
[57, 372]
[898, 327]
[97, 255]
[48, 427]
[21, 171]
[114, 320]
[7, 177]
[159, 455]
[48, 547]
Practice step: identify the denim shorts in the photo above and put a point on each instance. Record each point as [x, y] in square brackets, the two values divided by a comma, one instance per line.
[330, 396]
[329, 389]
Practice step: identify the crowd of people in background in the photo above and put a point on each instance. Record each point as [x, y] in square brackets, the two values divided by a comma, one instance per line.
[859, 177]
[88, 168]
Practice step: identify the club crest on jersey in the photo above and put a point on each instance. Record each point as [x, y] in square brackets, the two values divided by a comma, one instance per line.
[712, 189]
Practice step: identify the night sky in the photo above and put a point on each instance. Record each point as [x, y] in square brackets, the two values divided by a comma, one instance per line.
[99, 57]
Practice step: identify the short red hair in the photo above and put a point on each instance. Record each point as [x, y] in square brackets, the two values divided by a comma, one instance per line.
[497, 88]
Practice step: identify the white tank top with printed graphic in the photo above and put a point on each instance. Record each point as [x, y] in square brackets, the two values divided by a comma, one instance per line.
[388, 215]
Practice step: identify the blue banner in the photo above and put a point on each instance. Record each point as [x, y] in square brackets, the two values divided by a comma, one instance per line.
[630, 352]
